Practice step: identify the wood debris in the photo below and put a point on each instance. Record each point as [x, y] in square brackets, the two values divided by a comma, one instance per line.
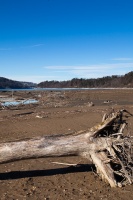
[108, 145]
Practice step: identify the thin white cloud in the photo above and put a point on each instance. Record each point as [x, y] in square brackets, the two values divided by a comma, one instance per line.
[37, 45]
[122, 59]
[5, 49]
[91, 67]
[28, 46]
[61, 73]
[32, 46]
[91, 71]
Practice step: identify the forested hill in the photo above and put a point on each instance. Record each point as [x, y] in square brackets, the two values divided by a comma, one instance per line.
[11, 84]
[105, 82]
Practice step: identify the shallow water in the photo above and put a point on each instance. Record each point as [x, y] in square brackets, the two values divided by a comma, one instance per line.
[61, 89]
[15, 103]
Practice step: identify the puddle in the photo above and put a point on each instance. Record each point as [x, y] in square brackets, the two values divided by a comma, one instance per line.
[16, 103]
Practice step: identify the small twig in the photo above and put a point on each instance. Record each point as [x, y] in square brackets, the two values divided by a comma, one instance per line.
[68, 164]
[125, 171]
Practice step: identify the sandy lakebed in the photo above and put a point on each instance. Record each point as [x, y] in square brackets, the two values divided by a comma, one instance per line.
[58, 112]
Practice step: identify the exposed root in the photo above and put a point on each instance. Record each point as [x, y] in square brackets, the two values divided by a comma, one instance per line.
[118, 155]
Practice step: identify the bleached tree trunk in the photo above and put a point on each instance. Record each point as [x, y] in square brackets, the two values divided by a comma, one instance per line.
[89, 144]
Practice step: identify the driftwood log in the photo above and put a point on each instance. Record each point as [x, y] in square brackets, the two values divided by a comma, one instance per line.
[105, 144]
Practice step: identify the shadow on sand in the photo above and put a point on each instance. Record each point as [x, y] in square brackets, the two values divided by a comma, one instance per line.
[49, 172]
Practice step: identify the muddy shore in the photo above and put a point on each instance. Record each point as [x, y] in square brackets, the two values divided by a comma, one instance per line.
[58, 112]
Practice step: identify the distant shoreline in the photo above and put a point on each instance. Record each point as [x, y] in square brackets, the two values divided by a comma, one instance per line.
[62, 89]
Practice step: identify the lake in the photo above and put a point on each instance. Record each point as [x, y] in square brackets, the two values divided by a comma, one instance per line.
[61, 89]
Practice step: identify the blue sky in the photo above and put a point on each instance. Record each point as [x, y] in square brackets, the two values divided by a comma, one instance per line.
[64, 39]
